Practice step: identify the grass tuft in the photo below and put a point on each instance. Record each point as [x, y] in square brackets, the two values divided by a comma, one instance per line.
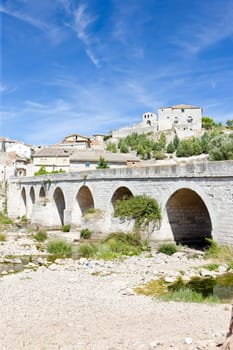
[167, 248]
[41, 235]
[218, 252]
[85, 233]
[59, 247]
[65, 228]
[189, 296]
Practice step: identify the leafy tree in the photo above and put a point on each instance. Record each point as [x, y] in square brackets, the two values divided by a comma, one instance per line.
[102, 164]
[124, 148]
[170, 147]
[205, 141]
[229, 123]
[221, 147]
[176, 141]
[188, 148]
[162, 140]
[111, 146]
[207, 123]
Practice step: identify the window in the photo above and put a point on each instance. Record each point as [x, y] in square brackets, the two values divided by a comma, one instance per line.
[190, 119]
[87, 164]
[182, 110]
[176, 120]
[168, 117]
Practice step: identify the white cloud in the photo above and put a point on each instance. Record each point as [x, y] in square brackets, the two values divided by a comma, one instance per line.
[53, 31]
[213, 26]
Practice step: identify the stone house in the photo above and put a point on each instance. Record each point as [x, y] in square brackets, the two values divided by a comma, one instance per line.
[52, 158]
[180, 117]
[76, 141]
[12, 146]
[88, 160]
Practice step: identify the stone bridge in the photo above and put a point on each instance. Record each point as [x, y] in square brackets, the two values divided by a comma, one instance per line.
[196, 199]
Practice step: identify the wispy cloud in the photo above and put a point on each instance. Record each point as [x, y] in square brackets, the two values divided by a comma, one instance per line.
[52, 31]
[4, 89]
[213, 26]
[82, 20]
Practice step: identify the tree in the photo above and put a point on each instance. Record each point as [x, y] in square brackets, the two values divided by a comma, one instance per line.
[207, 123]
[170, 147]
[111, 147]
[162, 140]
[189, 147]
[124, 148]
[229, 123]
[176, 141]
[221, 147]
[102, 164]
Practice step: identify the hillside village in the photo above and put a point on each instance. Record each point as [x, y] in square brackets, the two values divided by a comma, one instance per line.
[150, 141]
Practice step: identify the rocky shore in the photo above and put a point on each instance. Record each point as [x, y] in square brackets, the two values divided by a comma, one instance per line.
[91, 305]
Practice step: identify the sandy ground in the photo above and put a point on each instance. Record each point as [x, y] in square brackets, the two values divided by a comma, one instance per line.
[74, 306]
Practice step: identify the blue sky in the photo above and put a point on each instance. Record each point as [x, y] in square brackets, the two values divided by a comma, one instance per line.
[91, 66]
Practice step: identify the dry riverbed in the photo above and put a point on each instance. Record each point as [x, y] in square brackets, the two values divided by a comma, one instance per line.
[90, 305]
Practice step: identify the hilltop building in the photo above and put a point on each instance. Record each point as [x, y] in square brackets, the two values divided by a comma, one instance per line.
[180, 117]
[184, 119]
[76, 141]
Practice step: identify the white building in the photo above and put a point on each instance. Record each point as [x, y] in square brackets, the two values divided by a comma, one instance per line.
[180, 117]
[17, 147]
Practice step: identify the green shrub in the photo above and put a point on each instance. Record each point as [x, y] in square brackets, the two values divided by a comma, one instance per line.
[41, 235]
[43, 171]
[65, 228]
[159, 155]
[59, 247]
[2, 237]
[85, 233]
[167, 248]
[87, 250]
[143, 209]
[128, 238]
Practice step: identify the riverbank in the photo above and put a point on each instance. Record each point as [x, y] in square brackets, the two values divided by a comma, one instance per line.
[91, 305]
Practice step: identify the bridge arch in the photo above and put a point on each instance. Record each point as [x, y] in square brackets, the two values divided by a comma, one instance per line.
[85, 199]
[188, 217]
[120, 193]
[59, 200]
[24, 197]
[42, 193]
[32, 195]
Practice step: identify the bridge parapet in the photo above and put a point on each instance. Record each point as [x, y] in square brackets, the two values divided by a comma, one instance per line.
[195, 169]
